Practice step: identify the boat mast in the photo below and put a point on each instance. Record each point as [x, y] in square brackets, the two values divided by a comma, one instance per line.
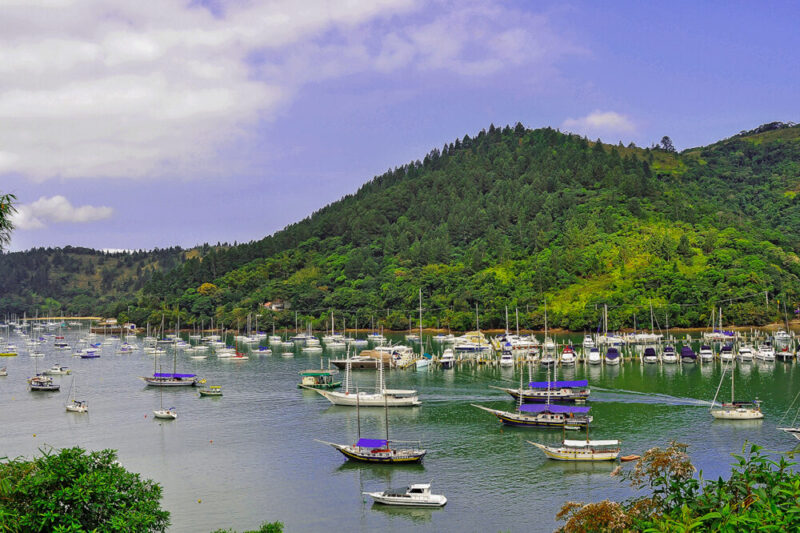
[386, 417]
[477, 324]
[421, 348]
[358, 415]
[516, 310]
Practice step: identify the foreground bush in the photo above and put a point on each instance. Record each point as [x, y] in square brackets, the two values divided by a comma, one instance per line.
[761, 494]
[74, 490]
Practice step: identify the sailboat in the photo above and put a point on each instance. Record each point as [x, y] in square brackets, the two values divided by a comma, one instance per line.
[545, 391]
[581, 450]
[381, 396]
[75, 405]
[542, 415]
[379, 450]
[168, 414]
[735, 410]
[161, 379]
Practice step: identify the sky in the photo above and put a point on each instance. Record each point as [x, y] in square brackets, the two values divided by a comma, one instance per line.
[127, 125]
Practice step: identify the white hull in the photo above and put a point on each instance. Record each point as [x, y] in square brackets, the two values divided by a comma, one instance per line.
[563, 453]
[432, 500]
[737, 414]
[165, 414]
[390, 398]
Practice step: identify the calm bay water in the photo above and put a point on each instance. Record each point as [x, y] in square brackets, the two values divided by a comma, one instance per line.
[250, 456]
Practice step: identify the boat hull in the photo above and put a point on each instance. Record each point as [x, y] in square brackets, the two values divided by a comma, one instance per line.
[736, 414]
[541, 396]
[367, 455]
[435, 500]
[570, 454]
[392, 398]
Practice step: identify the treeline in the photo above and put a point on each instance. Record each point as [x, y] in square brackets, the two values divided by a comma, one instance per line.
[513, 217]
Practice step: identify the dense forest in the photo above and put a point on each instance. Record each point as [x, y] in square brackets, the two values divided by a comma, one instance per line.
[511, 218]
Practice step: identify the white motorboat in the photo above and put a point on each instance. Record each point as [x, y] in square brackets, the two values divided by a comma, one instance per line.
[448, 358]
[726, 353]
[57, 370]
[588, 342]
[649, 356]
[582, 450]
[765, 352]
[594, 357]
[416, 495]
[507, 357]
[3, 371]
[669, 356]
[706, 353]
[745, 354]
[612, 356]
[568, 356]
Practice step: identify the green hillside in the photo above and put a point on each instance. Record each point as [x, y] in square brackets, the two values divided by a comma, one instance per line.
[514, 217]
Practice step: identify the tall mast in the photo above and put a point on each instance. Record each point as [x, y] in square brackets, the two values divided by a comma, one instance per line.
[358, 414]
[420, 321]
[386, 417]
[506, 319]
[516, 310]
[477, 324]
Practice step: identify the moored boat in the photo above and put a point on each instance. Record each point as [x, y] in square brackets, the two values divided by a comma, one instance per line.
[43, 383]
[687, 355]
[735, 410]
[612, 356]
[212, 390]
[668, 356]
[544, 391]
[582, 450]
[706, 353]
[543, 415]
[649, 356]
[318, 379]
[416, 495]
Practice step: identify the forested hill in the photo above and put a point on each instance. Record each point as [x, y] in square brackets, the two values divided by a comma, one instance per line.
[514, 217]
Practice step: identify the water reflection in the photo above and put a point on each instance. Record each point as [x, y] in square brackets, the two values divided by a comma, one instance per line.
[412, 514]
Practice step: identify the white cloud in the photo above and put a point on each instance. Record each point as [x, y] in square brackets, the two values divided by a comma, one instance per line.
[113, 88]
[56, 209]
[600, 123]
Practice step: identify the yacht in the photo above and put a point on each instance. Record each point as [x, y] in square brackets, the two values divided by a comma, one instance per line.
[706, 353]
[687, 355]
[594, 357]
[588, 341]
[649, 356]
[669, 356]
[612, 356]
[448, 359]
[416, 495]
[765, 352]
[726, 353]
[507, 356]
[568, 356]
[745, 354]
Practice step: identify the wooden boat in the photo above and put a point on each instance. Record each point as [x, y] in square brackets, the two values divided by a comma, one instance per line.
[384, 451]
[318, 379]
[43, 383]
[735, 410]
[416, 495]
[626, 458]
[543, 415]
[581, 450]
[213, 390]
[543, 391]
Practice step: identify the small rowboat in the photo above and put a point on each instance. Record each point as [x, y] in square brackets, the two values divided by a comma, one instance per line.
[626, 458]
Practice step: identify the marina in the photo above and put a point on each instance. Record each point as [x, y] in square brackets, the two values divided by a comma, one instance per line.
[241, 440]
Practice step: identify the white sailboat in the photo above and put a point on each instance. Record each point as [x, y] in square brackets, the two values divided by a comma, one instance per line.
[75, 405]
[735, 410]
[167, 414]
[382, 396]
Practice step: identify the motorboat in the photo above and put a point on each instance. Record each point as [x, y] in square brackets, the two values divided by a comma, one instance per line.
[706, 353]
[43, 383]
[765, 352]
[669, 356]
[57, 370]
[612, 356]
[416, 495]
[649, 356]
[568, 356]
[319, 379]
[448, 358]
[212, 390]
[588, 341]
[582, 450]
[594, 357]
[785, 353]
[507, 356]
[745, 354]
[726, 353]
[687, 355]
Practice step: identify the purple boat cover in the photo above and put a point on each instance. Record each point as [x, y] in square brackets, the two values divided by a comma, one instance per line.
[371, 443]
[558, 384]
[170, 375]
[552, 408]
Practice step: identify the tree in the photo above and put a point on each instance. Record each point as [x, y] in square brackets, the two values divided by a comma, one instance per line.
[666, 144]
[75, 490]
[6, 210]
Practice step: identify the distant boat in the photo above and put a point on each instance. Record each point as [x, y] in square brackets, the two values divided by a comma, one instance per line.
[416, 495]
[3, 371]
[170, 379]
[765, 352]
[213, 390]
[448, 358]
[319, 379]
[507, 357]
[43, 383]
[668, 356]
[706, 353]
[168, 414]
[57, 370]
[544, 391]
[381, 397]
[745, 354]
[649, 356]
[588, 342]
[726, 353]
[74, 405]
[543, 415]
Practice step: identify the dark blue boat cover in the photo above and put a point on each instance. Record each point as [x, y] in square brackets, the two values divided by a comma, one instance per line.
[552, 408]
[558, 384]
[371, 443]
[687, 351]
[170, 375]
[612, 353]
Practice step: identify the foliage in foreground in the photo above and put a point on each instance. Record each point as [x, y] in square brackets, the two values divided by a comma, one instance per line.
[761, 494]
[74, 490]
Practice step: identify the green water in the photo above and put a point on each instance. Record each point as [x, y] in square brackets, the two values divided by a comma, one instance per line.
[250, 456]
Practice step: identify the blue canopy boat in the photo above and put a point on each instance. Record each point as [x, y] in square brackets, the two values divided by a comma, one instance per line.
[546, 391]
[688, 355]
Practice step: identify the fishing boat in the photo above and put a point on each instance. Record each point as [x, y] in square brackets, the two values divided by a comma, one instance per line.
[43, 383]
[416, 495]
[544, 391]
[582, 450]
[382, 396]
[649, 356]
[669, 356]
[448, 358]
[594, 357]
[612, 356]
[687, 355]
[212, 390]
[735, 410]
[383, 451]
[57, 370]
[74, 405]
[318, 379]
[706, 353]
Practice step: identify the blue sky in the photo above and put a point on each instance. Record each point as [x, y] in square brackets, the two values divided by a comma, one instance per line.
[125, 127]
